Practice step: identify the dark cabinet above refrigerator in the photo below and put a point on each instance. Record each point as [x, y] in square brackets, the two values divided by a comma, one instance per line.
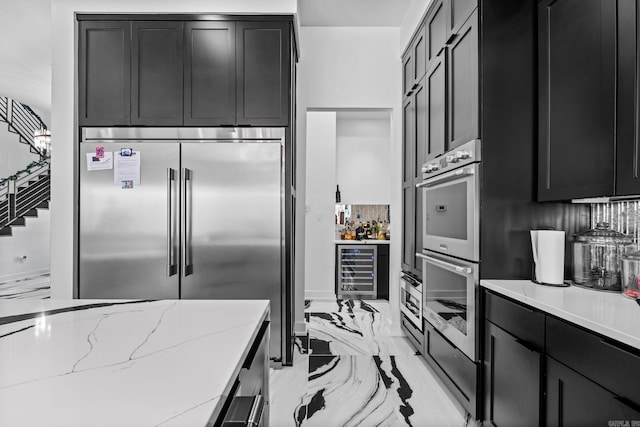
[183, 70]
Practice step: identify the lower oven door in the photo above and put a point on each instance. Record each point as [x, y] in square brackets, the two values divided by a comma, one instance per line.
[449, 289]
[411, 300]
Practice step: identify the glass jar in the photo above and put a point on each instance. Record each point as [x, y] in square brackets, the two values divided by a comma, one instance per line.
[631, 274]
[597, 257]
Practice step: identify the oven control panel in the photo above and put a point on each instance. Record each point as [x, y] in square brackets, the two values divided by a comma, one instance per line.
[460, 156]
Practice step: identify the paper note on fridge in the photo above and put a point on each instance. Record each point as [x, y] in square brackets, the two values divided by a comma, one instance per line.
[99, 163]
[126, 168]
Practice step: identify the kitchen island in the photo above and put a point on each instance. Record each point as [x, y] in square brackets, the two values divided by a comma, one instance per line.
[126, 363]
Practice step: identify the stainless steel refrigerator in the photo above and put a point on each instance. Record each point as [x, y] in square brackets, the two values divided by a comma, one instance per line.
[203, 220]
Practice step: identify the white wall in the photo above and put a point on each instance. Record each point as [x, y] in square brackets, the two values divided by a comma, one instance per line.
[14, 155]
[64, 138]
[30, 241]
[320, 204]
[363, 141]
[352, 68]
[415, 12]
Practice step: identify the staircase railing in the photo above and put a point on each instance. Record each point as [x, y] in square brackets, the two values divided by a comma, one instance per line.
[24, 191]
[22, 121]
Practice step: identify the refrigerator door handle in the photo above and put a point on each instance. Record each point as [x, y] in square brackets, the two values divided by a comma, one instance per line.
[187, 258]
[172, 268]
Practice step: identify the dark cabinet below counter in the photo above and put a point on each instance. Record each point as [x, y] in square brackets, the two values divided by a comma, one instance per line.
[539, 369]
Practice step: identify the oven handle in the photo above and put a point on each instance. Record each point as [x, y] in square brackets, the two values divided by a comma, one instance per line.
[460, 173]
[446, 265]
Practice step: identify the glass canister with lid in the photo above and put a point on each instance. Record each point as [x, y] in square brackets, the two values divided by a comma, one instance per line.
[597, 257]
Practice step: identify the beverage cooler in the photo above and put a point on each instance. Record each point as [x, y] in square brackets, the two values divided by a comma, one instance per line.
[357, 271]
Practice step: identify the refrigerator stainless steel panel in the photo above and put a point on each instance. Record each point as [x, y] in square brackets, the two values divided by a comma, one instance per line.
[128, 240]
[232, 236]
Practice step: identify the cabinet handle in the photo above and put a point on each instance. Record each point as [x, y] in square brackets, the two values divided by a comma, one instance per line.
[187, 255]
[617, 347]
[628, 403]
[451, 38]
[415, 86]
[171, 267]
[527, 345]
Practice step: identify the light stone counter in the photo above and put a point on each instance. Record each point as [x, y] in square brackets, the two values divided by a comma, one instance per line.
[121, 363]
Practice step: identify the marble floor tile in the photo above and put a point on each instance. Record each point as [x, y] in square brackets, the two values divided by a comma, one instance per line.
[377, 336]
[35, 287]
[335, 334]
[287, 388]
[326, 306]
[369, 306]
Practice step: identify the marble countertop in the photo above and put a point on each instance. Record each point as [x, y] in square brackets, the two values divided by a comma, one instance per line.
[607, 313]
[362, 242]
[121, 363]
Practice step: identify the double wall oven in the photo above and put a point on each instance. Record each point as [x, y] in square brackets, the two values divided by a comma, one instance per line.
[450, 250]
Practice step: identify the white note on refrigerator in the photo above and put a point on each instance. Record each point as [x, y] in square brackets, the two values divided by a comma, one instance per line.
[99, 163]
[126, 171]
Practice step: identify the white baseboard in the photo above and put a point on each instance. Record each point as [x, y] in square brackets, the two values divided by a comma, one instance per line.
[300, 329]
[320, 295]
[23, 275]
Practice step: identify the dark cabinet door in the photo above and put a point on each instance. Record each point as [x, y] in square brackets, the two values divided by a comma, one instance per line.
[435, 83]
[262, 61]
[104, 59]
[408, 227]
[457, 13]
[463, 91]
[156, 70]
[407, 73]
[210, 73]
[419, 56]
[512, 383]
[577, 83]
[420, 131]
[573, 400]
[436, 31]
[418, 227]
[628, 101]
[408, 195]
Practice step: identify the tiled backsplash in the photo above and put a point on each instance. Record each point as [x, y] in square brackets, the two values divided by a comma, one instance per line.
[623, 216]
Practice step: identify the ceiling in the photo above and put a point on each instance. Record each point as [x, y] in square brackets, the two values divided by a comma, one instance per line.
[352, 13]
[25, 47]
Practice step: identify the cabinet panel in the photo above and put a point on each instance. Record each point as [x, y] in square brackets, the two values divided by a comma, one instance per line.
[210, 73]
[408, 230]
[420, 132]
[418, 227]
[156, 70]
[435, 82]
[522, 322]
[419, 55]
[457, 13]
[262, 55]
[577, 77]
[573, 400]
[408, 147]
[463, 88]
[436, 28]
[104, 50]
[512, 380]
[627, 104]
[407, 73]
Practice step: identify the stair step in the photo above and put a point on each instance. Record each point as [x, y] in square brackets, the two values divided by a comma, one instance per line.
[32, 213]
[19, 221]
[5, 231]
[43, 205]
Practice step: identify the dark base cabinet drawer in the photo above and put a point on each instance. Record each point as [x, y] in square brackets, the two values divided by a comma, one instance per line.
[520, 321]
[456, 370]
[415, 335]
[608, 363]
[573, 400]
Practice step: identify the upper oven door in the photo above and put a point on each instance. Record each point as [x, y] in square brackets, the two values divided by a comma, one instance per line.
[451, 213]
